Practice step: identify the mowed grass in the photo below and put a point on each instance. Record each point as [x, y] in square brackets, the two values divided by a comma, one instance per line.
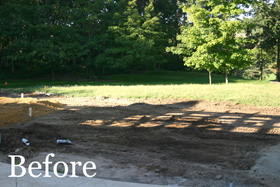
[242, 93]
[191, 86]
[167, 78]
[147, 78]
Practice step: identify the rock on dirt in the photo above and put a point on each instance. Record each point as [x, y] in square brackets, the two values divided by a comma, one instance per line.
[219, 177]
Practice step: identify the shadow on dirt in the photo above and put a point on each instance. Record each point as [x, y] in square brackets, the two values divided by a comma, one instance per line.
[163, 138]
[175, 116]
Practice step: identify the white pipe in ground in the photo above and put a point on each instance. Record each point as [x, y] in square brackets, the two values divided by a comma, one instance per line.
[30, 112]
[25, 141]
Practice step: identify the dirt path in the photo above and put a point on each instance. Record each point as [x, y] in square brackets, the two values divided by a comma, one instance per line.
[185, 143]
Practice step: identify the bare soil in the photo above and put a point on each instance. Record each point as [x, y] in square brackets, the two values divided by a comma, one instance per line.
[171, 142]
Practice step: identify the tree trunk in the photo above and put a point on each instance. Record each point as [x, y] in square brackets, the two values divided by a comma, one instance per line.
[278, 61]
[241, 73]
[226, 78]
[261, 72]
[261, 65]
[210, 77]
[237, 72]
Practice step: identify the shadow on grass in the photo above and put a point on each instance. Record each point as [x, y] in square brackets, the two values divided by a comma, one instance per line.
[147, 78]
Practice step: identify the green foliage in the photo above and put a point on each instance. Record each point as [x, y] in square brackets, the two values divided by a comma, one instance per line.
[267, 20]
[136, 40]
[262, 65]
[98, 37]
[108, 37]
[209, 41]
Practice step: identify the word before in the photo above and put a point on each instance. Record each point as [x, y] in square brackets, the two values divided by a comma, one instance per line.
[37, 166]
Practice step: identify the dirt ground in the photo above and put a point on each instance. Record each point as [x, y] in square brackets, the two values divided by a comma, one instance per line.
[171, 142]
[16, 110]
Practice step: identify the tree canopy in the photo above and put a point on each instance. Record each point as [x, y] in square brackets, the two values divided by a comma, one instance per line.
[210, 40]
[98, 37]
[125, 36]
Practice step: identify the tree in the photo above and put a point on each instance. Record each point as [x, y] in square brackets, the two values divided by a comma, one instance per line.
[209, 39]
[48, 36]
[268, 18]
[136, 39]
[262, 51]
[101, 37]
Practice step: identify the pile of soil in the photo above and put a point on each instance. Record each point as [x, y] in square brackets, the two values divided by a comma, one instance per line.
[16, 110]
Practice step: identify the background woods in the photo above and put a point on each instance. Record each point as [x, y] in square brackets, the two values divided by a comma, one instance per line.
[102, 37]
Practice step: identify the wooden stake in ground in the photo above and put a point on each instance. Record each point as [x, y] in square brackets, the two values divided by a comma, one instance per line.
[30, 112]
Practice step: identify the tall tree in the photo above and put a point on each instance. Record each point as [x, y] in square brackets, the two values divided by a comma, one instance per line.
[209, 39]
[268, 18]
[136, 38]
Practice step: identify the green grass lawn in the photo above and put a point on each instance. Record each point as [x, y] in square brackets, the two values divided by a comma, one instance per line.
[167, 78]
[162, 85]
[147, 78]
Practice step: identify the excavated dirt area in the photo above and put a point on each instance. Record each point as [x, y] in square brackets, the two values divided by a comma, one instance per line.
[171, 142]
[16, 110]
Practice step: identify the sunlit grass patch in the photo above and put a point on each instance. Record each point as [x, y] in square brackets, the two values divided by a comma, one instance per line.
[242, 93]
[164, 85]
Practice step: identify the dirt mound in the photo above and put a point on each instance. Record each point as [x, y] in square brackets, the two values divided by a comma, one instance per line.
[16, 110]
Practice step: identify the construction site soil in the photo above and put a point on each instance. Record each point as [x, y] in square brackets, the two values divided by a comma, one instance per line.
[171, 142]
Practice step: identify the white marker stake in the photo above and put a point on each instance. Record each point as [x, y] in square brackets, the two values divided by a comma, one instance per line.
[22, 95]
[30, 112]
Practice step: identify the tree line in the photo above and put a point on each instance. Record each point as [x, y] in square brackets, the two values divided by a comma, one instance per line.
[102, 37]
